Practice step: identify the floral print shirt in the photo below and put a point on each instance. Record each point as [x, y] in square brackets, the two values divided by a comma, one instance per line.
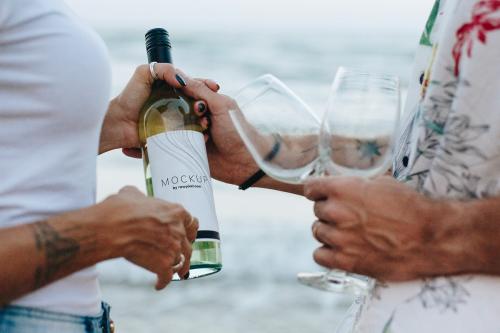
[449, 147]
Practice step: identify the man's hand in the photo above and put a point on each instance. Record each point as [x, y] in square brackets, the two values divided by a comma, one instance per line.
[119, 128]
[384, 229]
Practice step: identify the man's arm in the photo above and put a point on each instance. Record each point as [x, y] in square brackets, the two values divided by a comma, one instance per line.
[387, 230]
[474, 236]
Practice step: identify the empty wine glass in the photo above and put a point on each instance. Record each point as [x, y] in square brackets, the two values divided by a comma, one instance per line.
[356, 139]
[289, 144]
[270, 114]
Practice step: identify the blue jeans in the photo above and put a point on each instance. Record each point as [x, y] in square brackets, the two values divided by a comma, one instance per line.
[16, 319]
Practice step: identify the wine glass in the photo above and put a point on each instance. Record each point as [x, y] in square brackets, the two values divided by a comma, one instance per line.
[355, 138]
[269, 114]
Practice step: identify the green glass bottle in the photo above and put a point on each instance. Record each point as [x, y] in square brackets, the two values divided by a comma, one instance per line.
[175, 158]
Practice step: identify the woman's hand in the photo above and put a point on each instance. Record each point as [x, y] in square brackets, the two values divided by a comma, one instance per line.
[119, 128]
[148, 232]
[384, 229]
[229, 160]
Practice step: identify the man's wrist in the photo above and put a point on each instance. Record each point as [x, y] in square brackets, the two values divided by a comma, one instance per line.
[465, 239]
[481, 219]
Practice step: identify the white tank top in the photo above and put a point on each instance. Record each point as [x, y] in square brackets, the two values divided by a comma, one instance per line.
[54, 91]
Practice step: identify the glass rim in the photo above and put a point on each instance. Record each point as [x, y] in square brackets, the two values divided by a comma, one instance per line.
[281, 85]
[359, 71]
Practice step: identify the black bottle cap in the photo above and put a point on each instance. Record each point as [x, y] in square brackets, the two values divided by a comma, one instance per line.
[158, 46]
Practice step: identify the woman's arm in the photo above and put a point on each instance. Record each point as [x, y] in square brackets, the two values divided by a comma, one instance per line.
[148, 232]
[387, 230]
[36, 254]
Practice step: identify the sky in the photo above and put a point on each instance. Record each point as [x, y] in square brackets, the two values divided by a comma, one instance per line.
[279, 15]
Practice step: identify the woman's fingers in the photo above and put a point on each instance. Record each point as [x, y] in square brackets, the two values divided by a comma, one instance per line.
[175, 77]
[200, 108]
[191, 229]
[204, 122]
[187, 250]
[191, 226]
[168, 73]
[155, 261]
[214, 86]
[164, 272]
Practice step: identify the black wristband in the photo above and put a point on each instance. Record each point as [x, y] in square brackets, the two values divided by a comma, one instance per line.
[269, 157]
[252, 180]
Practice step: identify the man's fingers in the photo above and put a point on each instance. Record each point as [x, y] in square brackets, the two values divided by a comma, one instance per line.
[325, 234]
[333, 259]
[334, 237]
[334, 186]
[334, 212]
[316, 189]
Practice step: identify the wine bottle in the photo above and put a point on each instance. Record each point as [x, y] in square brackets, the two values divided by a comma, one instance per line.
[175, 158]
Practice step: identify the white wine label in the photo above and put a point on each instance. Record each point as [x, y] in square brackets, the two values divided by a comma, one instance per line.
[180, 174]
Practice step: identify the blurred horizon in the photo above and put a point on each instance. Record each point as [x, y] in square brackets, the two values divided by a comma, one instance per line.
[288, 16]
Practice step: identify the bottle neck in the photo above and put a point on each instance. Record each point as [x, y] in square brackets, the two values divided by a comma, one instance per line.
[160, 55]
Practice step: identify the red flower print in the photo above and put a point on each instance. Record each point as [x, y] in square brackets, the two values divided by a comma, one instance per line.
[484, 20]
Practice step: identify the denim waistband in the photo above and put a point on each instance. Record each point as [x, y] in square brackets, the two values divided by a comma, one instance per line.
[18, 319]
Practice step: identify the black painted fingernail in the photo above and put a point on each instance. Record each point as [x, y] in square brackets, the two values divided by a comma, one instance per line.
[218, 86]
[180, 80]
[186, 276]
[202, 107]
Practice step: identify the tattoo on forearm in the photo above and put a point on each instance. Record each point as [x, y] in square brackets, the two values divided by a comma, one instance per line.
[58, 249]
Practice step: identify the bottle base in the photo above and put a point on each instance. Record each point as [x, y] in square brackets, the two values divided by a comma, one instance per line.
[205, 260]
[199, 270]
